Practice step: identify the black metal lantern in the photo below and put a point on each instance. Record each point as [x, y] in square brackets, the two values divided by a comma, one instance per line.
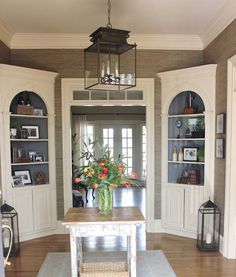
[110, 62]
[10, 218]
[208, 233]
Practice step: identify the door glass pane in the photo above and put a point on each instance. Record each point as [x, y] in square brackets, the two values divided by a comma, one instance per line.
[127, 150]
[108, 139]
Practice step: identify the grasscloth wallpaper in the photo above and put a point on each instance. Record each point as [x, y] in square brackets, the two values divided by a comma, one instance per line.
[219, 51]
[4, 53]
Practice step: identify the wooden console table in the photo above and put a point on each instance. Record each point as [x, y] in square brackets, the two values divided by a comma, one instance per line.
[85, 222]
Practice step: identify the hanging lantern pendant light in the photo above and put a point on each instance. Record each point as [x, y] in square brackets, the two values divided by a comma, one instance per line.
[110, 62]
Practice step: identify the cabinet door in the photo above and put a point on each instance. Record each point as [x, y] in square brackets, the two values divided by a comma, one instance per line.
[193, 200]
[42, 208]
[174, 206]
[23, 204]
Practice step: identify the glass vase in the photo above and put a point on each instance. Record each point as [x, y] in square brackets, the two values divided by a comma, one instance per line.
[105, 200]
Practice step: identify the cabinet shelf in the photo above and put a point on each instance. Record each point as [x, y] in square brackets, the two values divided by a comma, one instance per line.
[193, 115]
[29, 116]
[186, 162]
[30, 140]
[182, 184]
[30, 163]
[184, 139]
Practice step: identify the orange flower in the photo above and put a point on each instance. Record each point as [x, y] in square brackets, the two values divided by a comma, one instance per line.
[127, 184]
[121, 167]
[102, 176]
[94, 185]
[134, 175]
[76, 180]
[102, 163]
[112, 186]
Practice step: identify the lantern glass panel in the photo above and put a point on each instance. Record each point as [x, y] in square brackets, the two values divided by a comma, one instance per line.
[11, 219]
[208, 229]
[110, 67]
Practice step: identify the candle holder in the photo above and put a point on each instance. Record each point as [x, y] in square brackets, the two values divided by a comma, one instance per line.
[208, 234]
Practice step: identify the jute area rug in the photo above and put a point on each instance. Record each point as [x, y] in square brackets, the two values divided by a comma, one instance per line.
[151, 263]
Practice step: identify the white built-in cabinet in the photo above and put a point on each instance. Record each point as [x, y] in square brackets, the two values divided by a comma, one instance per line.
[188, 126]
[27, 102]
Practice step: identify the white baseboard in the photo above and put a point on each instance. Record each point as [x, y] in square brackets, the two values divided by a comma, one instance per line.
[157, 226]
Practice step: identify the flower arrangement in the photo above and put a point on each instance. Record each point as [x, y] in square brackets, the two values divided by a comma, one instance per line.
[104, 173]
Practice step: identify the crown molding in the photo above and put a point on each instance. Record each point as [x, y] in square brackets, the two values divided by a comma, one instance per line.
[5, 34]
[167, 42]
[76, 41]
[49, 41]
[219, 23]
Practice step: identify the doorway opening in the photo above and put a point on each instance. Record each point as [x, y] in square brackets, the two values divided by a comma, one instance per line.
[73, 94]
[123, 130]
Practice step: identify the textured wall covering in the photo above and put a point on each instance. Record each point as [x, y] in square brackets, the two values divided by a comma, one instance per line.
[221, 49]
[69, 64]
[4, 53]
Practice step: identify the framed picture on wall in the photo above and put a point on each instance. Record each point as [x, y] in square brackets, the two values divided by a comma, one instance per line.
[220, 123]
[220, 148]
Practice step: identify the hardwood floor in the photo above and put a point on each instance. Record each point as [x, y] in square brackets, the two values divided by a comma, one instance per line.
[181, 252]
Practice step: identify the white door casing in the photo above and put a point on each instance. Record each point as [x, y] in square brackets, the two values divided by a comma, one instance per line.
[229, 249]
[147, 86]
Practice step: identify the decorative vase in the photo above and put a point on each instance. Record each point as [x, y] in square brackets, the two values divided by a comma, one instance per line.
[180, 155]
[174, 155]
[105, 200]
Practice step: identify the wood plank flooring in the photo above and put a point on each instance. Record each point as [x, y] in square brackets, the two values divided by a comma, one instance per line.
[181, 252]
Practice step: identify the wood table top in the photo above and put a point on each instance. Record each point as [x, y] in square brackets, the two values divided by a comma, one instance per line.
[93, 216]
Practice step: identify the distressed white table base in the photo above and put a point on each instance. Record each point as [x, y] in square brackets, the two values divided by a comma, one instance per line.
[77, 231]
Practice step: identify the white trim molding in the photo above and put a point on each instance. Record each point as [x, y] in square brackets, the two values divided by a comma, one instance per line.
[147, 86]
[226, 15]
[80, 41]
[5, 34]
[229, 250]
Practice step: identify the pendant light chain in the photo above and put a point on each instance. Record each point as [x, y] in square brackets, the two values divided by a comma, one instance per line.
[109, 14]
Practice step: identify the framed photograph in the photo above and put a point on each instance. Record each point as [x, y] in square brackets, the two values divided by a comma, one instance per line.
[190, 154]
[220, 148]
[17, 181]
[40, 158]
[25, 175]
[23, 133]
[220, 123]
[32, 155]
[32, 131]
[38, 112]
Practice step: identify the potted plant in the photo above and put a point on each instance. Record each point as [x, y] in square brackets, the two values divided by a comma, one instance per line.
[201, 154]
[199, 128]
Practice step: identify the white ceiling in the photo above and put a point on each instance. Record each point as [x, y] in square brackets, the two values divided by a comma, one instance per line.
[162, 19]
